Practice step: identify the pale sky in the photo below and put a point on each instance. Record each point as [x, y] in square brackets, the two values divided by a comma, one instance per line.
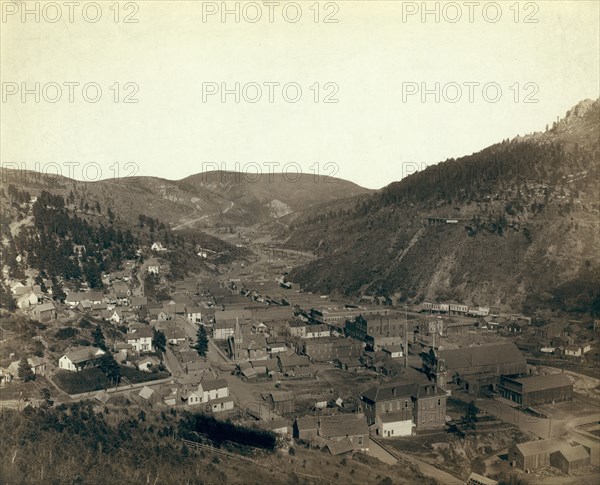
[372, 58]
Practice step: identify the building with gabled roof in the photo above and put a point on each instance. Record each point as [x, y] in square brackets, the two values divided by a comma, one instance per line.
[306, 428]
[247, 347]
[141, 339]
[571, 459]
[79, 358]
[149, 395]
[175, 335]
[157, 246]
[29, 299]
[45, 312]
[281, 402]
[533, 455]
[291, 362]
[212, 392]
[38, 365]
[340, 427]
[474, 367]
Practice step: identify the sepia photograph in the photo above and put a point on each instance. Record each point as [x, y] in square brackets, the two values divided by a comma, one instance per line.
[301, 242]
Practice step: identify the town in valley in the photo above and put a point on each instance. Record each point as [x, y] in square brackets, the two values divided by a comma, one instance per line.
[196, 337]
[299, 243]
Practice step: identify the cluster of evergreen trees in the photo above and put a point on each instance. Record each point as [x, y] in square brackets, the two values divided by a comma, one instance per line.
[50, 245]
[75, 443]
[473, 178]
[16, 196]
[218, 432]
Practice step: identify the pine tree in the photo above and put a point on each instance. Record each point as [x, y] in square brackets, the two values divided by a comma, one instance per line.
[109, 366]
[159, 341]
[58, 293]
[99, 338]
[470, 417]
[7, 300]
[25, 371]
[202, 341]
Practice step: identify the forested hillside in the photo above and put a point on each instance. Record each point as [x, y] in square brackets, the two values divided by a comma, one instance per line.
[523, 221]
[75, 240]
[130, 444]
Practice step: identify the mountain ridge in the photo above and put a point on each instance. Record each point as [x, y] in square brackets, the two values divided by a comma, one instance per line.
[506, 200]
[216, 198]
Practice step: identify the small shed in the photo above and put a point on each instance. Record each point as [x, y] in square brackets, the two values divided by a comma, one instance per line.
[571, 459]
[306, 428]
[281, 402]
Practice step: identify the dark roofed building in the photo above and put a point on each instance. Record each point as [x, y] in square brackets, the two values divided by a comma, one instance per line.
[281, 402]
[292, 362]
[542, 453]
[425, 404]
[213, 384]
[541, 389]
[328, 349]
[571, 459]
[346, 426]
[533, 454]
[79, 358]
[45, 312]
[474, 367]
[306, 428]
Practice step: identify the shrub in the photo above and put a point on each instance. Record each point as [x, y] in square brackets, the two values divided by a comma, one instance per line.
[66, 333]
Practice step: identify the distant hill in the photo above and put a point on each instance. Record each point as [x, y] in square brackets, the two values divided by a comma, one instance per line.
[262, 198]
[203, 200]
[522, 227]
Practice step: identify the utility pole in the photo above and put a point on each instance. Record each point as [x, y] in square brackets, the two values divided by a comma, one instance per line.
[405, 337]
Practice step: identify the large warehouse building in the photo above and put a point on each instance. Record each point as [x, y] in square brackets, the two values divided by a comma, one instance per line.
[528, 391]
[474, 367]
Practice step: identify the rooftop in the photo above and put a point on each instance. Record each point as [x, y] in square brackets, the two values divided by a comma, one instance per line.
[542, 382]
[342, 425]
[531, 448]
[212, 384]
[83, 354]
[574, 453]
[306, 423]
[481, 355]
[392, 391]
[145, 332]
[340, 447]
[146, 392]
[282, 396]
[293, 360]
